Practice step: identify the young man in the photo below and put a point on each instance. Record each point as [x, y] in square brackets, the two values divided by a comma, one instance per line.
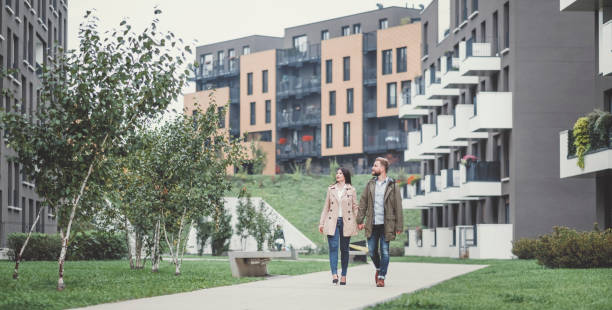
[381, 203]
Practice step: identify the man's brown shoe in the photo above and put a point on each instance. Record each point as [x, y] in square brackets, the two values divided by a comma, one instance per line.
[380, 283]
[376, 277]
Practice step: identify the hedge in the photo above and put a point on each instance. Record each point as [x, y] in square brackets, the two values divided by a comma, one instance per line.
[89, 245]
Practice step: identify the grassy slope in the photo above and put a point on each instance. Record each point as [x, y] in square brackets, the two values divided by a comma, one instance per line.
[511, 284]
[300, 199]
[95, 282]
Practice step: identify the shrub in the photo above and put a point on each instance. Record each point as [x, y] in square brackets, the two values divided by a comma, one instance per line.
[568, 248]
[396, 251]
[524, 248]
[91, 245]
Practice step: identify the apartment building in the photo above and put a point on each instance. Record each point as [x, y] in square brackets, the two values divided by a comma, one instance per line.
[499, 80]
[329, 90]
[598, 161]
[30, 33]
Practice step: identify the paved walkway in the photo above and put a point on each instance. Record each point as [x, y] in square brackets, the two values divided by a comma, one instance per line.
[309, 291]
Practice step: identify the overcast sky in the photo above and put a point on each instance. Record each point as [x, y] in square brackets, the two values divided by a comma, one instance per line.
[206, 21]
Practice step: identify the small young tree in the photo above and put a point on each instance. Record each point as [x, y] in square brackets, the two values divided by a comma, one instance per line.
[245, 213]
[262, 226]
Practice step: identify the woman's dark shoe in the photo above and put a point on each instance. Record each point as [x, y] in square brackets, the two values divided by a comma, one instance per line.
[343, 281]
[335, 280]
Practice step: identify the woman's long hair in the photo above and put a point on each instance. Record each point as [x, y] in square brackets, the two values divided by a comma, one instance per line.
[347, 175]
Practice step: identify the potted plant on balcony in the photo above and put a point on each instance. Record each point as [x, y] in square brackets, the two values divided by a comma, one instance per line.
[307, 138]
[413, 179]
[468, 159]
[282, 141]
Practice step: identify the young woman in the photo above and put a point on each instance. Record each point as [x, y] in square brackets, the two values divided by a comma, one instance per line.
[338, 221]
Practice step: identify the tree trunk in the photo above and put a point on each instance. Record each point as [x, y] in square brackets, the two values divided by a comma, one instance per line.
[138, 253]
[185, 244]
[25, 243]
[129, 245]
[155, 257]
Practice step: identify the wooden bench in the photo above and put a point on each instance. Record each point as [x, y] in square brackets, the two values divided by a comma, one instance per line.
[358, 253]
[255, 264]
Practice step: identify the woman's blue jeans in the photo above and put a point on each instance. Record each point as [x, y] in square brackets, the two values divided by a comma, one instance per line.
[338, 240]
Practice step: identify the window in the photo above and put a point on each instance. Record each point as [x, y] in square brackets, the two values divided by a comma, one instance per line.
[402, 64]
[231, 54]
[507, 25]
[207, 64]
[324, 35]
[220, 59]
[386, 62]
[456, 13]
[474, 5]
[328, 136]
[506, 79]
[495, 33]
[268, 111]
[328, 71]
[391, 95]
[246, 50]
[405, 92]
[264, 81]
[221, 113]
[383, 23]
[252, 113]
[608, 100]
[483, 32]
[346, 66]
[250, 83]
[346, 30]
[346, 133]
[349, 101]
[356, 28]
[332, 102]
[300, 43]
[424, 39]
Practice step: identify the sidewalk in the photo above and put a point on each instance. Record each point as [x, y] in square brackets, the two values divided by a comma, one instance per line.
[309, 291]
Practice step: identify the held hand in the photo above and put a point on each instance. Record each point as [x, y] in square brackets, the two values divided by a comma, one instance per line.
[321, 228]
[360, 226]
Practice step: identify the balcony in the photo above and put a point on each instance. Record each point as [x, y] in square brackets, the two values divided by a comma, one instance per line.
[369, 76]
[436, 91]
[385, 141]
[297, 86]
[408, 110]
[298, 118]
[597, 159]
[369, 108]
[299, 150]
[207, 72]
[295, 57]
[492, 111]
[578, 5]
[420, 101]
[234, 126]
[441, 140]
[452, 78]
[234, 95]
[461, 131]
[605, 49]
[479, 59]
[413, 149]
[481, 179]
[428, 132]
[369, 42]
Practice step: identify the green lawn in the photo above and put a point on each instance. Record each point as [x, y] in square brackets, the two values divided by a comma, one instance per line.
[95, 282]
[511, 284]
[300, 199]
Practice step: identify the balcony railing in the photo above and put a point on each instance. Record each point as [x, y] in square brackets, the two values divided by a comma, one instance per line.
[297, 86]
[596, 142]
[369, 41]
[298, 118]
[369, 108]
[234, 95]
[483, 171]
[294, 56]
[228, 68]
[385, 140]
[298, 150]
[369, 76]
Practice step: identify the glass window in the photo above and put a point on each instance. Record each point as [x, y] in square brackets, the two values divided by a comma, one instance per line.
[264, 81]
[346, 30]
[386, 62]
[250, 83]
[324, 35]
[383, 23]
[252, 113]
[220, 58]
[391, 95]
[347, 133]
[332, 103]
[401, 59]
[346, 65]
[246, 50]
[328, 135]
[300, 43]
[231, 54]
[268, 111]
[405, 92]
[349, 101]
[328, 71]
[356, 28]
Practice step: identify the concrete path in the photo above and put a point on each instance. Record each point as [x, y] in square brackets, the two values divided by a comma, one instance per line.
[309, 291]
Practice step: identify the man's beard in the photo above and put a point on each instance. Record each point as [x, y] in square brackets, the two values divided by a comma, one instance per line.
[374, 173]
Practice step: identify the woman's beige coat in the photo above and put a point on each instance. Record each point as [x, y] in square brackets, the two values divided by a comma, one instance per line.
[329, 215]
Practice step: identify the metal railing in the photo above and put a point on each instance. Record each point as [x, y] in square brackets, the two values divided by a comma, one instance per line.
[483, 171]
[385, 140]
[298, 86]
[229, 67]
[298, 150]
[369, 76]
[482, 49]
[596, 142]
[292, 56]
[297, 118]
[369, 41]
[369, 108]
